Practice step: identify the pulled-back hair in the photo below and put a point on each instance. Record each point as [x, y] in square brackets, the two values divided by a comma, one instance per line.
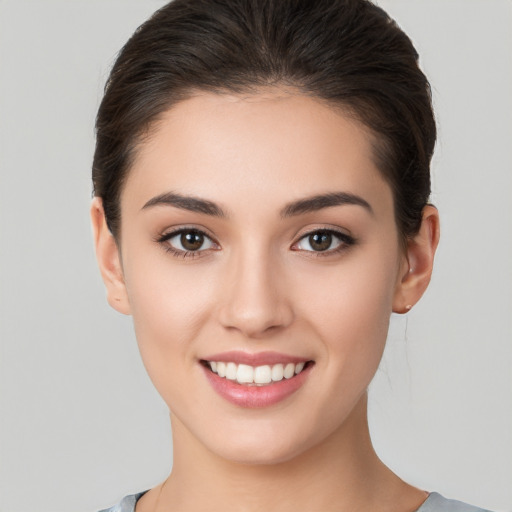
[346, 52]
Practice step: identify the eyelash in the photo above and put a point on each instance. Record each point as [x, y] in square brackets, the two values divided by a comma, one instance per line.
[184, 254]
[345, 242]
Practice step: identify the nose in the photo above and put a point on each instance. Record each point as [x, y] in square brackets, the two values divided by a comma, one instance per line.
[255, 301]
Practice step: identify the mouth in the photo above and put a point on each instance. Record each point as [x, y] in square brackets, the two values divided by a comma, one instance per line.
[262, 375]
[256, 380]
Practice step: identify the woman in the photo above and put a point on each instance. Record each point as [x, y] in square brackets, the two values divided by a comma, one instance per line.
[261, 183]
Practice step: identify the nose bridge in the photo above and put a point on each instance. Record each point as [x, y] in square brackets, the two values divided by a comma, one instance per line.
[255, 300]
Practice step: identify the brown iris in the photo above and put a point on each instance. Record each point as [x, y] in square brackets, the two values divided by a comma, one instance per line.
[191, 240]
[320, 241]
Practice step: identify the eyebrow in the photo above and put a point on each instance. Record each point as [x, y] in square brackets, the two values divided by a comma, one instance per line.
[190, 203]
[300, 207]
[318, 202]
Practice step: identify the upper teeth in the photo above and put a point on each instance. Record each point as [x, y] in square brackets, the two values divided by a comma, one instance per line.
[245, 374]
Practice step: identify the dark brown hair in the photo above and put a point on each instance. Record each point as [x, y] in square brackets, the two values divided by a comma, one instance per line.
[347, 52]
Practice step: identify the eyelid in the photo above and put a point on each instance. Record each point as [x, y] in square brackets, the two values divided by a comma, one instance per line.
[313, 228]
[171, 231]
[346, 240]
[183, 253]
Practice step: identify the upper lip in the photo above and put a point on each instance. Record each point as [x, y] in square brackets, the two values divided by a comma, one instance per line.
[255, 359]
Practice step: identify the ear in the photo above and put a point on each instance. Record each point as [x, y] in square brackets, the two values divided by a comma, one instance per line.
[417, 268]
[109, 259]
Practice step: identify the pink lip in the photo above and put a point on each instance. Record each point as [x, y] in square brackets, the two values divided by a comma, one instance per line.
[255, 396]
[257, 359]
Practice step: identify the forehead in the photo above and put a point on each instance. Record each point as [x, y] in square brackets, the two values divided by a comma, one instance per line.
[268, 144]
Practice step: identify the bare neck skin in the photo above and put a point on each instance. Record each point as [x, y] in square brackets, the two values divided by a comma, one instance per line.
[343, 473]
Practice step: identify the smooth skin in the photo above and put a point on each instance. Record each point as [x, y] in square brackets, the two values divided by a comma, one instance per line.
[254, 282]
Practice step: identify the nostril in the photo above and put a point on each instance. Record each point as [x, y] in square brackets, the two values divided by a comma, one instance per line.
[253, 300]
[257, 318]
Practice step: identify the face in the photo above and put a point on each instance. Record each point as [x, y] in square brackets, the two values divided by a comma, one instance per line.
[260, 260]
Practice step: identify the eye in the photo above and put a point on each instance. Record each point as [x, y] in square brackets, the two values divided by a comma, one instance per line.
[324, 240]
[186, 241]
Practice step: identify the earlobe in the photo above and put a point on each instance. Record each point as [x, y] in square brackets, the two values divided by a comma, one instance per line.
[416, 274]
[109, 261]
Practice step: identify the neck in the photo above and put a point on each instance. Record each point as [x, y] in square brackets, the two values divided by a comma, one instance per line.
[341, 473]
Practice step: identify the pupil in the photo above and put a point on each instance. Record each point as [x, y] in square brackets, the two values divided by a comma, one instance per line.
[191, 241]
[320, 241]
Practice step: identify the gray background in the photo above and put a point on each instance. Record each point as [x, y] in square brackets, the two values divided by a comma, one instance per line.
[80, 422]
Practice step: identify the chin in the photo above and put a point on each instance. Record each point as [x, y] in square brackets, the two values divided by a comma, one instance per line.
[258, 456]
[261, 448]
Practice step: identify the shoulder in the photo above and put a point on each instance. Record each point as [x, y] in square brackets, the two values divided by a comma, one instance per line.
[437, 503]
[127, 504]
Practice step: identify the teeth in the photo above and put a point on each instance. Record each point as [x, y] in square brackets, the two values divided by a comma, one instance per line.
[259, 375]
[244, 374]
[277, 372]
[221, 369]
[299, 367]
[231, 371]
[289, 371]
[262, 374]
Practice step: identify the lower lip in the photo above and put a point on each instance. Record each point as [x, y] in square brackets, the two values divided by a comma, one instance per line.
[256, 396]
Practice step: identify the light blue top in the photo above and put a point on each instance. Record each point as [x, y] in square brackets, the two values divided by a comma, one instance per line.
[434, 503]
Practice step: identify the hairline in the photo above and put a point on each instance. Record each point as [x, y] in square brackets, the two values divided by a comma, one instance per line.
[377, 141]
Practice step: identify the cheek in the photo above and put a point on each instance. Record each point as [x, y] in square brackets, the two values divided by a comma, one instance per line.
[169, 308]
[352, 316]
[354, 297]
[350, 324]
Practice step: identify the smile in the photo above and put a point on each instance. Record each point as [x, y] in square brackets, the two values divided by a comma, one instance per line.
[256, 380]
[255, 375]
